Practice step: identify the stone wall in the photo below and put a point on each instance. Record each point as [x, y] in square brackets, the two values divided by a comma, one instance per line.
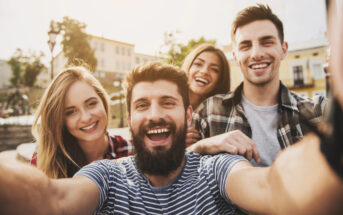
[13, 135]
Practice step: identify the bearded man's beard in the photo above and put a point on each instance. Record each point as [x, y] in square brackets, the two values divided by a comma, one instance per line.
[159, 161]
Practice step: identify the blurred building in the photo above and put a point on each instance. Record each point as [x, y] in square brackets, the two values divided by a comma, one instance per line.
[302, 70]
[5, 74]
[115, 59]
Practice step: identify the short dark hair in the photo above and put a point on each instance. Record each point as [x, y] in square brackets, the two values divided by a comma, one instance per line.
[254, 13]
[155, 71]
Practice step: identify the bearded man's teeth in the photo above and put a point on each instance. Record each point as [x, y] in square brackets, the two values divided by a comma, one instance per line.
[158, 131]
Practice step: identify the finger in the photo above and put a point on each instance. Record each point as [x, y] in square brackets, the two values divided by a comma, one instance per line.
[256, 154]
[230, 149]
[249, 153]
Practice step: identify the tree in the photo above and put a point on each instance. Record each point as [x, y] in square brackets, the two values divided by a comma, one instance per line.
[25, 68]
[33, 67]
[75, 43]
[177, 51]
[16, 67]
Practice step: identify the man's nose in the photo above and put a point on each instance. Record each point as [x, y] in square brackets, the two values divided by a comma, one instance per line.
[257, 52]
[155, 113]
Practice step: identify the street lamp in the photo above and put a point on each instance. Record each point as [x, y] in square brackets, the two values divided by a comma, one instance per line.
[117, 83]
[51, 42]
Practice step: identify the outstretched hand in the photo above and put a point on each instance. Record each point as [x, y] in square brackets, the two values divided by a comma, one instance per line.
[233, 142]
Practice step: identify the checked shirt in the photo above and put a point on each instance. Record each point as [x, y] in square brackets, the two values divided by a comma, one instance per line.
[224, 112]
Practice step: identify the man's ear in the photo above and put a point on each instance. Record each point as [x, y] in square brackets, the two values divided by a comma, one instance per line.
[284, 49]
[189, 117]
[234, 55]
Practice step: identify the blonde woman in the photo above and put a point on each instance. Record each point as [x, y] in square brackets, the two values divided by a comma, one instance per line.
[208, 74]
[70, 125]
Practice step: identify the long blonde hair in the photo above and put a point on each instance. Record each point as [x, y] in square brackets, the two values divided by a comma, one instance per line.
[59, 154]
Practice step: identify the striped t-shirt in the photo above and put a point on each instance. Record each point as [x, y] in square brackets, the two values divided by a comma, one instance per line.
[199, 189]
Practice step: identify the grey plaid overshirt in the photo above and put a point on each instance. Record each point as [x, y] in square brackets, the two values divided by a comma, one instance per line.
[224, 112]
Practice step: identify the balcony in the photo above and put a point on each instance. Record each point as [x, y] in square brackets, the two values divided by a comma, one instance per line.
[299, 84]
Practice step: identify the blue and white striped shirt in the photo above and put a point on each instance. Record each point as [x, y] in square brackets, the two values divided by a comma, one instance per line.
[199, 189]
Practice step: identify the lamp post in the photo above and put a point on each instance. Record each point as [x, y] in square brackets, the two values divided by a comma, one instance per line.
[51, 42]
[117, 83]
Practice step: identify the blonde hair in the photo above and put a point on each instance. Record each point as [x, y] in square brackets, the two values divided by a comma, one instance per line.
[223, 85]
[59, 154]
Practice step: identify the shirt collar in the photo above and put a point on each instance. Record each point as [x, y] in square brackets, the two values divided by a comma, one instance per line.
[285, 98]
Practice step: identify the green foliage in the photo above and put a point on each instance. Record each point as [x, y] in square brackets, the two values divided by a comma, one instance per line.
[16, 67]
[75, 43]
[178, 51]
[33, 67]
[25, 68]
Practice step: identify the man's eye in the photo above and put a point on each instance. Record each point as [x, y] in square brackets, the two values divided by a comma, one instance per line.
[141, 106]
[169, 104]
[244, 47]
[268, 43]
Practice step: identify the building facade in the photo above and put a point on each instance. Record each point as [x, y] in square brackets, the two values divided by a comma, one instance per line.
[115, 59]
[5, 74]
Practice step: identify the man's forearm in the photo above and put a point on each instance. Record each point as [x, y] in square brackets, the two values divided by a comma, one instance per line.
[302, 182]
[24, 190]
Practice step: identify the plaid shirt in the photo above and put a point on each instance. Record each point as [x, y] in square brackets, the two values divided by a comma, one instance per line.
[117, 147]
[224, 112]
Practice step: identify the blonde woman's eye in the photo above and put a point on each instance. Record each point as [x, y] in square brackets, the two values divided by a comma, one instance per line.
[69, 112]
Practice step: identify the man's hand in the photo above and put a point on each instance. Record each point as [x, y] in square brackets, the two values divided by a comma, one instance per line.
[233, 142]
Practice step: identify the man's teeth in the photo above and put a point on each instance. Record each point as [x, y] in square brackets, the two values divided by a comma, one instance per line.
[204, 81]
[158, 131]
[89, 127]
[259, 66]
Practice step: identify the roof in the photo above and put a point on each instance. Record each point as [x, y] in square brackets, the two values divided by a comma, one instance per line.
[308, 44]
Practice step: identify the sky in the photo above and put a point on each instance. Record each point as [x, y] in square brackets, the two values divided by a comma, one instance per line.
[24, 23]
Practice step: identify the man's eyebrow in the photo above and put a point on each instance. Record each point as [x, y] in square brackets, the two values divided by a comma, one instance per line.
[139, 100]
[169, 97]
[268, 37]
[244, 42]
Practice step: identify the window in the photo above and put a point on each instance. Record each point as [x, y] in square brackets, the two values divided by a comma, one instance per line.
[102, 63]
[123, 51]
[317, 71]
[102, 74]
[129, 52]
[95, 46]
[102, 47]
[298, 76]
[137, 60]
[117, 50]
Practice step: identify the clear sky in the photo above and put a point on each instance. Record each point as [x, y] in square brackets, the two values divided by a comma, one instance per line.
[24, 23]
